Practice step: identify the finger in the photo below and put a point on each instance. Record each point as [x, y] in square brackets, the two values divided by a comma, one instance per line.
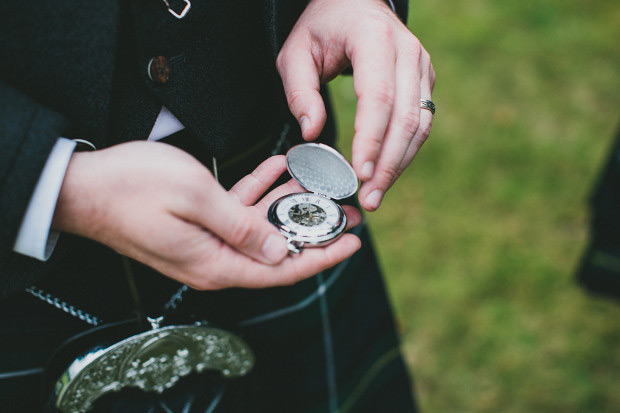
[372, 57]
[427, 83]
[210, 264]
[311, 261]
[301, 81]
[251, 187]
[354, 216]
[239, 226]
[232, 270]
[403, 125]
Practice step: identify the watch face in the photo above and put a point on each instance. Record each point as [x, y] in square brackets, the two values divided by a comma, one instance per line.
[308, 218]
[308, 214]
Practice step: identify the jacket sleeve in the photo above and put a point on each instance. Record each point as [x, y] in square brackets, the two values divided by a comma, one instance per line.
[28, 132]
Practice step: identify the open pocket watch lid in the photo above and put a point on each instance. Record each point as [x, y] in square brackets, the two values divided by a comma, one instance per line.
[321, 169]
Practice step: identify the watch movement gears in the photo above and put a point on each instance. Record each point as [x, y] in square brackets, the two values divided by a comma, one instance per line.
[307, 214]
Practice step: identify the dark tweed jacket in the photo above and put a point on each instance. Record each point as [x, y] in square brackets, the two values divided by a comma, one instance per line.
[78, 69]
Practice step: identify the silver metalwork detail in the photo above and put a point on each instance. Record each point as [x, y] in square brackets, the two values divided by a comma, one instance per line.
[277, 149]
[176, 298]
[152, 361]
[314, 219]
[215, 171]
[155, 322]
[321, 169]
[295, 246]
[83, 143]
[428, 105]
[300, 236]
[188, 6]
[64, 306]
[307, 214]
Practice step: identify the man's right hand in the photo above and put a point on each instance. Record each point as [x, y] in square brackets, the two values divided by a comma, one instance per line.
[157, 204]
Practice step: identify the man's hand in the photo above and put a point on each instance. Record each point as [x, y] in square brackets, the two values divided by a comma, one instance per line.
[159, 205]
[391, 73]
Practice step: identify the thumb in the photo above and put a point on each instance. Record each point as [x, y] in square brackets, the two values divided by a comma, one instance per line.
[300, 78]
[241, 227]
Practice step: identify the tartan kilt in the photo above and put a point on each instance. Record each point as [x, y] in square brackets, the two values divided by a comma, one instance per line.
[326, 344]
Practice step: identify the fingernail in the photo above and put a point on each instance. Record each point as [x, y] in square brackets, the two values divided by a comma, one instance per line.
[304, 122]
[275, 249]
[367, 169]
[374, 198]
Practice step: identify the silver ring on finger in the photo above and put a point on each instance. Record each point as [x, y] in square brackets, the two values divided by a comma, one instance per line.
[428, 105]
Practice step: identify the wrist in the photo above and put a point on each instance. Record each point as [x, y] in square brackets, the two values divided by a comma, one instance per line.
[75, 207]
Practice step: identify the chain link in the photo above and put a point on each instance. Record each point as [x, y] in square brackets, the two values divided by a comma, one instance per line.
[63, 306]
[176, 298]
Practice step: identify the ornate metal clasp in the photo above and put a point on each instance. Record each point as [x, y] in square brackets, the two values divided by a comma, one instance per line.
[188, 6]
[152, 361]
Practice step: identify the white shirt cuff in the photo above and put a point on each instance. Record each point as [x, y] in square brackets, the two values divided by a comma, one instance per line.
[34, 238]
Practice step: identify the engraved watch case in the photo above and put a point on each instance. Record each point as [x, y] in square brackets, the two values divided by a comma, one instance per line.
[309, 219]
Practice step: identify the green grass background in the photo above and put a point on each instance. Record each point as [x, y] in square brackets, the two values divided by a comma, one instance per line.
[481, 237]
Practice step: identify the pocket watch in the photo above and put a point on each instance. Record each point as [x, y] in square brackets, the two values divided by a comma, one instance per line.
[309, 219]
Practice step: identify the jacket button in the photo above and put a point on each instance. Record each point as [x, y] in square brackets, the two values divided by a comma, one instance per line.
[158, 69]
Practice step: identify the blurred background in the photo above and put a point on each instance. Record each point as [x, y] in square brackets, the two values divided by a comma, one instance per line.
[481, 238]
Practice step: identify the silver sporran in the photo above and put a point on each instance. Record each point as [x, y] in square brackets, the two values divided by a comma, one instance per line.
[152, 361]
